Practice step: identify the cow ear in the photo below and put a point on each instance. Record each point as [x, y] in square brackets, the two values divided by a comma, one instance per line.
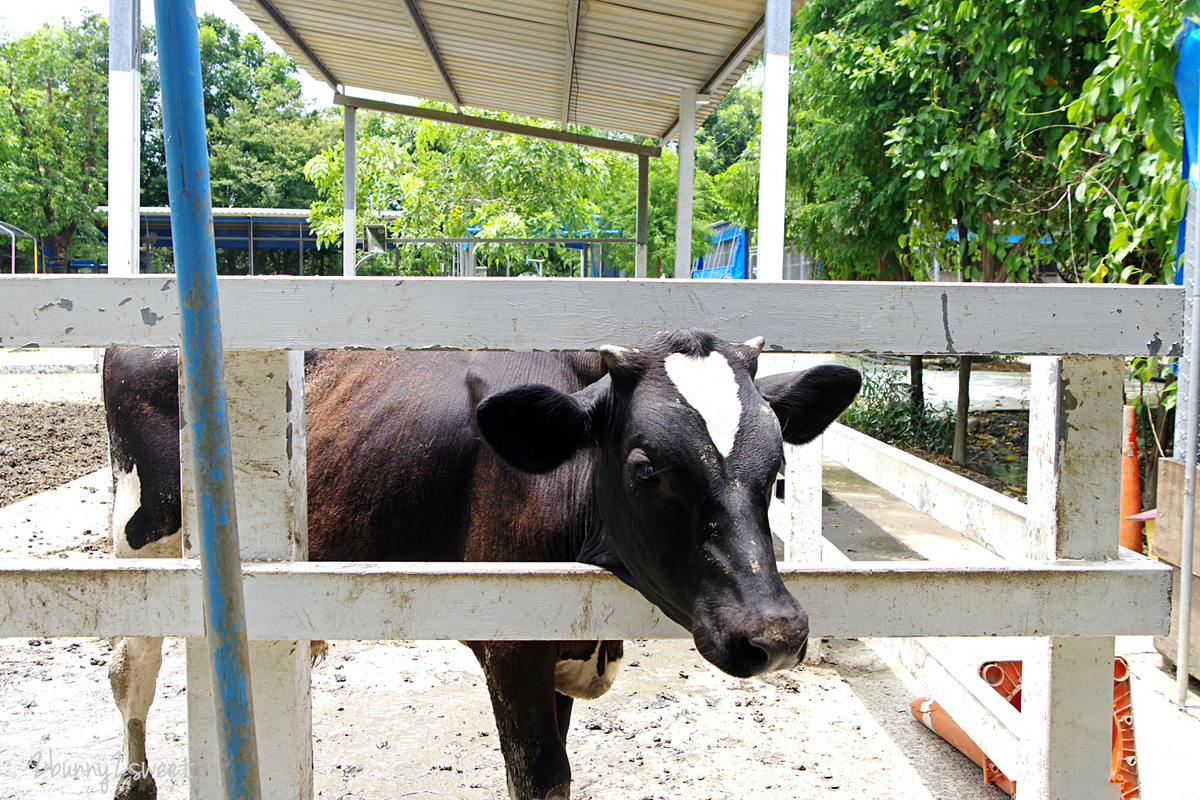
[749, 351]
[533, 427]
[807, 402]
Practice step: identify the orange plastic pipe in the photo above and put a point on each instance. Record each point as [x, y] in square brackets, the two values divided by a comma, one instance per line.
[1131, 483]
[934, 717]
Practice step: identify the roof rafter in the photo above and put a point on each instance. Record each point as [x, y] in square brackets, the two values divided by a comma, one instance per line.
[298, 41]
[431, 50]
[731, 62]
[501, 126]
[569, 71]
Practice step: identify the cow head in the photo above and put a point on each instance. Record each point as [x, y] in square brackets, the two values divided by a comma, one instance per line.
[687, 447]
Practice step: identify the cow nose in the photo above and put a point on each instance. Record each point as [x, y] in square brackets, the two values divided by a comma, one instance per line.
[760, 644]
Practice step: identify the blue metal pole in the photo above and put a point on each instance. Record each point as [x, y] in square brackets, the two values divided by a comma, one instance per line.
[204, 384]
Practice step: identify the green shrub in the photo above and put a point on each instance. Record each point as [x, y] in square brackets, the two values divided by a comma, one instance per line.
[883, 411]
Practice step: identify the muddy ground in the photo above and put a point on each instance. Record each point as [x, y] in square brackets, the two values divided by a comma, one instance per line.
[412, 719]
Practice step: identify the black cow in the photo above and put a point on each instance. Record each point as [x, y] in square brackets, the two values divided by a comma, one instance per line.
[656, 462]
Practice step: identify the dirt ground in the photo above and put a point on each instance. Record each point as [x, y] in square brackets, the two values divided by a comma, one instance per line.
[44, 445]
[412, 719]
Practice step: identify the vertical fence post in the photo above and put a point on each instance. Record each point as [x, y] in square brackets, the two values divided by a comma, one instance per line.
[266, 426]
[204, 380]
[1074, 474]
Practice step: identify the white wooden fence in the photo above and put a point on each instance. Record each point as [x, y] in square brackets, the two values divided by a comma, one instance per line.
[1061, 579]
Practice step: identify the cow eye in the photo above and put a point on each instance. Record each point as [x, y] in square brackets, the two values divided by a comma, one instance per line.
[641, 470]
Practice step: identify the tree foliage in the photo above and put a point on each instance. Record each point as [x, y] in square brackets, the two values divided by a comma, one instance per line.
[992, 81]
[847, 200]
[429, 179]
[1120, 161]
[260, 134]
[54, 131]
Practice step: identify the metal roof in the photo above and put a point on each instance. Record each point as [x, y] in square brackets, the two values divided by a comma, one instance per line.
[616, 66]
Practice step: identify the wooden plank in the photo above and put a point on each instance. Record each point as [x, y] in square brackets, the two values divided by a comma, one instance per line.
[1168, 528]
[85, 597]
[1168, 646]
[986, 517]
[494, 313]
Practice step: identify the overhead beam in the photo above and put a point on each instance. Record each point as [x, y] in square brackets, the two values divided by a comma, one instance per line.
[569, 70]
[431, 51]
[297, 40]
[483, 123]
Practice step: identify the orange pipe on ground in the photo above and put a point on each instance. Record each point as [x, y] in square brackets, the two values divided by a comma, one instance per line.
[927, 711]
[1131, 483]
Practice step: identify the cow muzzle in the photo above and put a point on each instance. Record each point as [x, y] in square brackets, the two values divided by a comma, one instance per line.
[747, 643]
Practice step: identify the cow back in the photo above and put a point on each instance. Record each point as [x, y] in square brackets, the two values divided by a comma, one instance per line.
[397, 470]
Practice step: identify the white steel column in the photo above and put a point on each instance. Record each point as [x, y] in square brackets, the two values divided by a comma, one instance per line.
[1074, 476]
[124, 135]
[349, 191]
[686, 183]
[773, 158]
[266, 425]
[641, 252]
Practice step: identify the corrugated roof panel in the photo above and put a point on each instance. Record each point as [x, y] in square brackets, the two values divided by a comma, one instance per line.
[553, 12]
[632, 58]
[660, 30]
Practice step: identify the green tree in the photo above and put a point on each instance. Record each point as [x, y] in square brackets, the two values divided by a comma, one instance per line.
[847, 200]
[441, 180]
[1121, 160]
[259, 132]
[729, 129]
[54, 131]
[992, 81]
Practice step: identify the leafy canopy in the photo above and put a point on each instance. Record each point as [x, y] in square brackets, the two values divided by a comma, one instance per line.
[54, 131]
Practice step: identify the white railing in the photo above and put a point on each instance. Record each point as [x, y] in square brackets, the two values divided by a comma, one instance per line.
[1061, 581]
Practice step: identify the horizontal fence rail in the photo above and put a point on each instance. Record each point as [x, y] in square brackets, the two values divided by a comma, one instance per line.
[351, 600]
[558, 314]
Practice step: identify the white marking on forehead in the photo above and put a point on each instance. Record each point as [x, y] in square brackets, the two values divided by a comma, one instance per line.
[709, 386]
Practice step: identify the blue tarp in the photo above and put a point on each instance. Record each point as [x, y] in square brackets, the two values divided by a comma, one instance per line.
[736, 269]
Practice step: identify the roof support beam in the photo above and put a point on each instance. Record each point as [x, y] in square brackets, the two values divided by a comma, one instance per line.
[686, 182]
[772, 187]
[431, 51]
[298, 41]
[569, 70]
[501, 126]
[641, 252]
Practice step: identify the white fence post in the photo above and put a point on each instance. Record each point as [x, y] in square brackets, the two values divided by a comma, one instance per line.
[266, 421]
[1067, 683]
[796, 519]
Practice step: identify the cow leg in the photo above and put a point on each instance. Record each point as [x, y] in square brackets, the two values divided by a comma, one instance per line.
[520, 678]
[145, 524]
[132, 673]
[562, 710]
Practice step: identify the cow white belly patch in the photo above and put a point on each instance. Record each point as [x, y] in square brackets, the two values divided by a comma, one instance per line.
[709, 386]
[582, 679]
